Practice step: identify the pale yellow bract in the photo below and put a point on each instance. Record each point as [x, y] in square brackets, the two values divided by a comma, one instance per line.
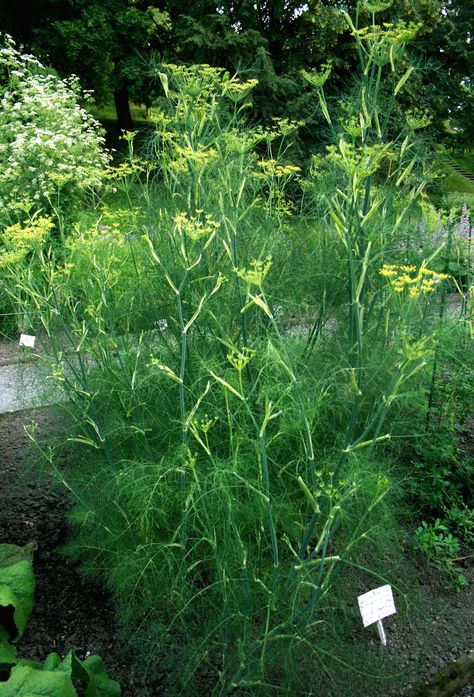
[257, 272]
[240, 358]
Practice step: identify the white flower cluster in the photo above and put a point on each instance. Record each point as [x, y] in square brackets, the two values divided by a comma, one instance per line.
[51, 149]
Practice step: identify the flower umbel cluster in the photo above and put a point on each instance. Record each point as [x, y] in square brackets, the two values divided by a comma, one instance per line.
[416, 281]
[240, 358]
[237, 90]
[278, 170]
[18, 240]
[257, 272]
[205, 424]
[196, 228]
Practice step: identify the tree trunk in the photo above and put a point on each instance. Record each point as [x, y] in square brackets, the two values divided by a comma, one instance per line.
[122, 107]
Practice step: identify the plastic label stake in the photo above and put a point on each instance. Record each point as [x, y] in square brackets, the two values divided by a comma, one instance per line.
[27, 340]
[374, 606]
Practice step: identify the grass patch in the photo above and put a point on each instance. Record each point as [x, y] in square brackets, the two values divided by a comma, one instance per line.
[107, 112]
[455, 183]
[464, 160]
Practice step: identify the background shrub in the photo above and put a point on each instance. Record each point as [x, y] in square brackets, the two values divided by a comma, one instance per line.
[51, 149]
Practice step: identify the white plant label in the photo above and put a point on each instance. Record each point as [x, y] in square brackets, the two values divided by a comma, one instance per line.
[376, 604]
[27, 340]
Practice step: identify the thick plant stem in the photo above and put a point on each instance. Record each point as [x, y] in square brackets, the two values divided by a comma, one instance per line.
[268, 505]
[182, 366]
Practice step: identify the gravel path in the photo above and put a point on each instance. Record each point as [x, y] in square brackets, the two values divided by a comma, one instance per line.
[24, 382]
[22, 378]
[21, 387]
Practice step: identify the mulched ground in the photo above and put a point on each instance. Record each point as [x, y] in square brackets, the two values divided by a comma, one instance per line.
[72, 613]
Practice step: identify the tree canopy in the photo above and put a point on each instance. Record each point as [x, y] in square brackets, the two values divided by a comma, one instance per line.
[109, 44]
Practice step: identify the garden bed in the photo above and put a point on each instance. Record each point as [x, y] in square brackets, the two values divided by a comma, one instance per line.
[73, 613]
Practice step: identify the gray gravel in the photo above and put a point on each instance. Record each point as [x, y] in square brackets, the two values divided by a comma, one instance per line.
[22, 386]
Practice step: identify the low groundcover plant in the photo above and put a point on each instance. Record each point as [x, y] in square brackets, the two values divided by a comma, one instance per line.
[19, 676]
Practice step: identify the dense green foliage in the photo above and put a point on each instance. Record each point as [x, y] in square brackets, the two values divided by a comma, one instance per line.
[254, 362]
[17, 584]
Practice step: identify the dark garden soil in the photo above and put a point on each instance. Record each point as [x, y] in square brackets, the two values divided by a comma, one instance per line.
[69, 612]
[72, 613]
[11, 352]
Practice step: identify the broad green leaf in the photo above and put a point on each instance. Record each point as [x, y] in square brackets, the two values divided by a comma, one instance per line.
[52, 662]
[100, 685]
[55, 678]
[7, 651]
[17, 585]
[11, 554]
[26, 681]
[92, 673]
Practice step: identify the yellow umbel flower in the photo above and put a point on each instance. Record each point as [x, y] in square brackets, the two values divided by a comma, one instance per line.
[256, 274]
[271, 167]
[196, 228]
[29, 235]
[408, 277]
[20, 239]
[205, 424]
[239, 358]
